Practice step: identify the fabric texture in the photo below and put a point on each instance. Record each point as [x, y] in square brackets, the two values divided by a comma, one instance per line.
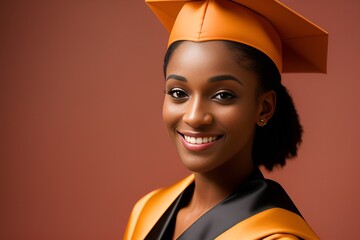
[292, 42]
[258, 209]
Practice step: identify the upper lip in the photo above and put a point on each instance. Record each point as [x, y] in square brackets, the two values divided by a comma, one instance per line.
[199, 134]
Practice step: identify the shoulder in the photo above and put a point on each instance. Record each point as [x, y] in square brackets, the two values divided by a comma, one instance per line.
[271, 214]
[273, 195]
[273, 223]
[137, 209]
[149, 208]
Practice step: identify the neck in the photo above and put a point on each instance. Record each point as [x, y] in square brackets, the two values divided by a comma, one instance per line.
[213, 187]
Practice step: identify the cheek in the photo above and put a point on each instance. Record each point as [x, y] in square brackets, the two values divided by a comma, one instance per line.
[165, 112]
[240, 118]
[170, 113]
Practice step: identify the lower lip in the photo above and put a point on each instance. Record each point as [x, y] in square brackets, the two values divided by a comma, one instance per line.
[196, 147]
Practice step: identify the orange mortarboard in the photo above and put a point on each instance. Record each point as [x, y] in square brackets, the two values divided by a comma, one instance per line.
[291, 41]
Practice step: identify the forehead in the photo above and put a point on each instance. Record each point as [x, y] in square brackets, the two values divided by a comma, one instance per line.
[205, 60]
[211, 56]
[207, 48]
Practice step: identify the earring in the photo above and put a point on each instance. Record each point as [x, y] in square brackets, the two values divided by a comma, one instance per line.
[261, 122]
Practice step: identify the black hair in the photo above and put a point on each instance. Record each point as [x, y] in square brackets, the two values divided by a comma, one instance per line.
[280, 138]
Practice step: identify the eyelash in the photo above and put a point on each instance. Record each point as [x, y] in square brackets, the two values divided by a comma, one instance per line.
[176, 93]
[229, 95]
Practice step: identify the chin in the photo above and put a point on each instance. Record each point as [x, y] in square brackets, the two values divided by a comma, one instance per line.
[198, 164]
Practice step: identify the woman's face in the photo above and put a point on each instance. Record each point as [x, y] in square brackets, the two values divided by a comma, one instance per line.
[211, 107]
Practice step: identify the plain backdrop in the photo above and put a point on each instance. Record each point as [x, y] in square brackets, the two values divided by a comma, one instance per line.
[81, 134]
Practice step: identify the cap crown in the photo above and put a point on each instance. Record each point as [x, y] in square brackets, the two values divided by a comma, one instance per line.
[292, 42]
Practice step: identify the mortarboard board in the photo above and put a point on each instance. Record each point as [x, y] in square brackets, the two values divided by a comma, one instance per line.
[291, 41]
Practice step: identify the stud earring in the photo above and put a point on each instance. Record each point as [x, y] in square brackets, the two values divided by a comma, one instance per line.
[261, 122]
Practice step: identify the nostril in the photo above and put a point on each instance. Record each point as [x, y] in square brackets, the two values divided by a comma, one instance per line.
[208, 118]
[198, 119]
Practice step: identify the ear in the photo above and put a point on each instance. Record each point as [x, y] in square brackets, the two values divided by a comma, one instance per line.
[266, 107]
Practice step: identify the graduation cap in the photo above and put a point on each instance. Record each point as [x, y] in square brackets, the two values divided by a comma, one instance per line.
[291, 41]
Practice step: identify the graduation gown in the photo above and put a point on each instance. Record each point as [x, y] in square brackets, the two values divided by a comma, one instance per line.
[258, 209]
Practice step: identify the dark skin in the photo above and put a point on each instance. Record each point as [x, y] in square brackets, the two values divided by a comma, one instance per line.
[211, 110]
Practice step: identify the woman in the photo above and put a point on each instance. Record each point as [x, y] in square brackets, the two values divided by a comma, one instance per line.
[228, 113]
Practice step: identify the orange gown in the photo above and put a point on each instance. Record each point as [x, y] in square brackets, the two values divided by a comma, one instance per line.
[259, 209]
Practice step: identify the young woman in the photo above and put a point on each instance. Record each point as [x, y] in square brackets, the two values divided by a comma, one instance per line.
[228, 113]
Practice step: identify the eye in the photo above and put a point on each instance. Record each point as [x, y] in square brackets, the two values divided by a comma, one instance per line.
[224, 96]
[177, 93]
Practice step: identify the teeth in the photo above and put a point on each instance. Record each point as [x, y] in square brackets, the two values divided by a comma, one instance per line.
[199, 140]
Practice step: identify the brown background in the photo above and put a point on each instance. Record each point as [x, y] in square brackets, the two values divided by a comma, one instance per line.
[81, 135]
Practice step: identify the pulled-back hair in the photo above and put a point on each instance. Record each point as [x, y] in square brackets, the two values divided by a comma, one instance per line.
[280, 138]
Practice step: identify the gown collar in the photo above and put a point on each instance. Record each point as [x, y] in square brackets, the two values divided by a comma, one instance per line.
[252, 197]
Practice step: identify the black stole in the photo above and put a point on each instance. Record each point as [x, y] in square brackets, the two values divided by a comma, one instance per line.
[254, 196]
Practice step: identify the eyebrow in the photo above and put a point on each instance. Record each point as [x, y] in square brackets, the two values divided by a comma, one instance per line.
[224, 78]
[176, 77]
[212, 79]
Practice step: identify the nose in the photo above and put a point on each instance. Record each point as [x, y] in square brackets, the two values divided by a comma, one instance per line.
[197, 114]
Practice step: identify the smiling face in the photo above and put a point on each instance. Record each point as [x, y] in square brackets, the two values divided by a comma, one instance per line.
[211, 107]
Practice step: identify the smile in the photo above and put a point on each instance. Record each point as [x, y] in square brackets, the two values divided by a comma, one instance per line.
[199, 140]
[198, 143]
